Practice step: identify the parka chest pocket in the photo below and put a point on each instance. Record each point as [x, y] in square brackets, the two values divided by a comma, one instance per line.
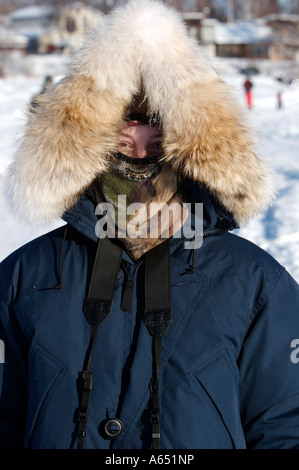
[218, 383]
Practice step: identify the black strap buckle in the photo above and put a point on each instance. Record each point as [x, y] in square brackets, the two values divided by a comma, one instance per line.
[157, 320]
[155, 416]
[86, 377]
[97, 310]
[82, 414]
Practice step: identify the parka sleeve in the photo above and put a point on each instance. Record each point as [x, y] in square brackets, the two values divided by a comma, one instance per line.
[13, 367]
[269, 370]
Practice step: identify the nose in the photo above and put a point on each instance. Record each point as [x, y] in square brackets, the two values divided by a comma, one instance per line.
[140, 152]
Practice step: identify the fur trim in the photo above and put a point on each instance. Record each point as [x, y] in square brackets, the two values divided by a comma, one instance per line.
[143, 45]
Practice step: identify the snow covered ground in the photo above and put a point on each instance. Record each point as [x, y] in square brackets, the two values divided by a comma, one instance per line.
[278, 133]
[278, 142]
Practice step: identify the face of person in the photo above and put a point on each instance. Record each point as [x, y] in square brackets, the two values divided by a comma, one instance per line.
[140, 141]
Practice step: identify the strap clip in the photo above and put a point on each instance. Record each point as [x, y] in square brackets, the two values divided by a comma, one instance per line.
[155, 416]
[86, 377]
[96, 310]
[82, 415]
[157, 320]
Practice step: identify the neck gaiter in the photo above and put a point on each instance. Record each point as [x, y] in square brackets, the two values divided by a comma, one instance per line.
[147, 204]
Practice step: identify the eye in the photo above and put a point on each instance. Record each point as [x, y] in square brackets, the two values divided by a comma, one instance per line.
[157, 145]
[155, 149]
[125, 144]
[125, 147]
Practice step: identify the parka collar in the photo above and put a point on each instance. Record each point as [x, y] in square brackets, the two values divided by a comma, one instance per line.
[83, 218]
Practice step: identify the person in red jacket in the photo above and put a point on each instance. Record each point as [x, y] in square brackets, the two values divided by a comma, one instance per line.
[248, 90]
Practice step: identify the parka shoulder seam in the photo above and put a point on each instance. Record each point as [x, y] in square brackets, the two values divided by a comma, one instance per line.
[264, 298]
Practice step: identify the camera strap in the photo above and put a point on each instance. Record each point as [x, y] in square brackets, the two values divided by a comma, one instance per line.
[97, 308]
[157, 318]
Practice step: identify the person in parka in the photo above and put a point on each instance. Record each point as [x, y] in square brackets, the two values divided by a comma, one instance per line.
[134, 343]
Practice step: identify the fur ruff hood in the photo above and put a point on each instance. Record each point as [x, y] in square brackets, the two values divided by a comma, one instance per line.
[143, 46]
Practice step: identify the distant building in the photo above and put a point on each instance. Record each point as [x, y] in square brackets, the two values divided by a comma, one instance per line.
[10, 39]
[54, 30]
[31, 21]
[248, 39]
[193, 21]
[72, 24]
[285, 35]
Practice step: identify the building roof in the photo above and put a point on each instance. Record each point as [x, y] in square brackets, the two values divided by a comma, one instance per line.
[193, 15]
[10, 38]
[284, 17]
[33, 12]
[242, 32]
[77, 5]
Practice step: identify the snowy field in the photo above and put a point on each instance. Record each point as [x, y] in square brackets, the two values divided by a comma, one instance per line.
[278, 133]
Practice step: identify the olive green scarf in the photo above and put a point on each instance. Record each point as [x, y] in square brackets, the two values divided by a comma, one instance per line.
[141, 193]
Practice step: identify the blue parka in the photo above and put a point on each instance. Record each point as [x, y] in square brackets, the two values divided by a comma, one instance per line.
[229, 374]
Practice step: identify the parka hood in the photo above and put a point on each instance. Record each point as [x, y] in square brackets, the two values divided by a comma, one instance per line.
[142, 47]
